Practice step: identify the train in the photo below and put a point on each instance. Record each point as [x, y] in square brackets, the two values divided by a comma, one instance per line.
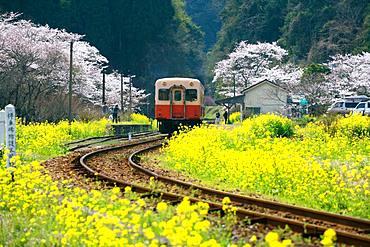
[178, 101]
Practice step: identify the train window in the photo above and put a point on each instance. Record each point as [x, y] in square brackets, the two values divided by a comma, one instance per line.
[177, 95]
[191, 94]
[164, 94]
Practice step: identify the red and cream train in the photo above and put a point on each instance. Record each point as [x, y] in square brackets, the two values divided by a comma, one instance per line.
[178, 101]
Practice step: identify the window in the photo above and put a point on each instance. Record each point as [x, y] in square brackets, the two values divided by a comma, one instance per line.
[191, 95]
[350, 105]
[339, 104]
[250, 111]
[177, 95]
[164, 94]
[361, 106]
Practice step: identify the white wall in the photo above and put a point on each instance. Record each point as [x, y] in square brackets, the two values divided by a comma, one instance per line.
[269, 98]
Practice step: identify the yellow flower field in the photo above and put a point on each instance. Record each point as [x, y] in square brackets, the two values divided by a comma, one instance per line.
[44, 140]
[310, 166]
[36, 211]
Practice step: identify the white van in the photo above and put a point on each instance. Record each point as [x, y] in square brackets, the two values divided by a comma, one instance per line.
[363, 107]
[347, 105]
[342, 107]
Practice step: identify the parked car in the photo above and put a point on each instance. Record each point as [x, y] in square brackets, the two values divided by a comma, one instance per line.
[347, 105]
[342, 107]
[363, 107]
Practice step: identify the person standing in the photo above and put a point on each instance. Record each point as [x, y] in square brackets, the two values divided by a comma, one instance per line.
[115, 114]
[217, 120]
[105, 109]
[226, 115]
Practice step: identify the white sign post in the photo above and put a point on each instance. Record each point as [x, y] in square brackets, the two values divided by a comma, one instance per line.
[2, 127]
[10, 131]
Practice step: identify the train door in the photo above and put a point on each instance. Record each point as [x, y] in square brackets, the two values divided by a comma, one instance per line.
[177, 102]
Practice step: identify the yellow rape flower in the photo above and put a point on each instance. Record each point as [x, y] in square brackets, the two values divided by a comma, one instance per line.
[161, 207]
[272, 237]
[330, 234]
[253, 239]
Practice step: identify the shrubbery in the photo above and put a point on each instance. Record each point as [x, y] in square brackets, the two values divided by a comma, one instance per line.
[354, 126]
[139, 118]
[269, 125]
[234, 117]
[44, 140]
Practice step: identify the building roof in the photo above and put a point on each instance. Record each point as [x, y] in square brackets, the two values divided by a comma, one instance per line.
[262, 82]
[231, 100]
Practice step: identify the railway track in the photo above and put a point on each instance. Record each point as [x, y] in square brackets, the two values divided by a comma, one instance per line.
[88, 142]
[350, 230]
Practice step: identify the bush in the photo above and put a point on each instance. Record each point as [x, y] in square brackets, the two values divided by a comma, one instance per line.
[269, 125]
[353, 126]
[234, 117]
[139, 118]
[303, 121]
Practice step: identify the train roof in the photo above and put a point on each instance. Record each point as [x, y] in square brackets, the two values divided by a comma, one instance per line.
[178, 79]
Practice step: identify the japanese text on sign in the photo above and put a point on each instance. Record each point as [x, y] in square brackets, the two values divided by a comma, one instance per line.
[10, 131]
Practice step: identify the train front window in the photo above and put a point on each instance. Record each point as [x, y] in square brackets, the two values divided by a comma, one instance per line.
[164, 94]
[177, 95]
[191, 95]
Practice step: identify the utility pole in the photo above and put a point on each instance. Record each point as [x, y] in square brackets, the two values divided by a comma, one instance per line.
[130, 92]
[121, 92]
[103, 96]
[234, 85]
[70, 83]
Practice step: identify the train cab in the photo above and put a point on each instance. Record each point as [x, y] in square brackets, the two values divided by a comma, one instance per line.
[178, 101]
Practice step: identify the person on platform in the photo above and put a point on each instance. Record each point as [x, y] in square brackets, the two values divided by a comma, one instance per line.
[226, 116]
[105, 109]
[217, 120]
[115, 114]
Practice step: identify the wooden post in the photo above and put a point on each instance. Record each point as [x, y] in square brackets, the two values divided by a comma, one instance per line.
[10, 132]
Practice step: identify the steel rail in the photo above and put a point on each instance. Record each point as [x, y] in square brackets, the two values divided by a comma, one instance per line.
[362, 224]
[88, 139]
[104, 139]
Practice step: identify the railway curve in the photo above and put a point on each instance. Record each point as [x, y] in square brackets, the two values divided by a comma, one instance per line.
[310, 222]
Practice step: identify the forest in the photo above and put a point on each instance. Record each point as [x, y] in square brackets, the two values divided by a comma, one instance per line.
[137, 37]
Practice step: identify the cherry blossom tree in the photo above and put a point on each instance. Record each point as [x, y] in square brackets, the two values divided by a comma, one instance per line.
[349, 74]
[34, 67]
[251, 63]
[342, 75]
[113, 89]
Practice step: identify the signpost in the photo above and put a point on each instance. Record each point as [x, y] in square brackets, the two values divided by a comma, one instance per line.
[10, 132]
